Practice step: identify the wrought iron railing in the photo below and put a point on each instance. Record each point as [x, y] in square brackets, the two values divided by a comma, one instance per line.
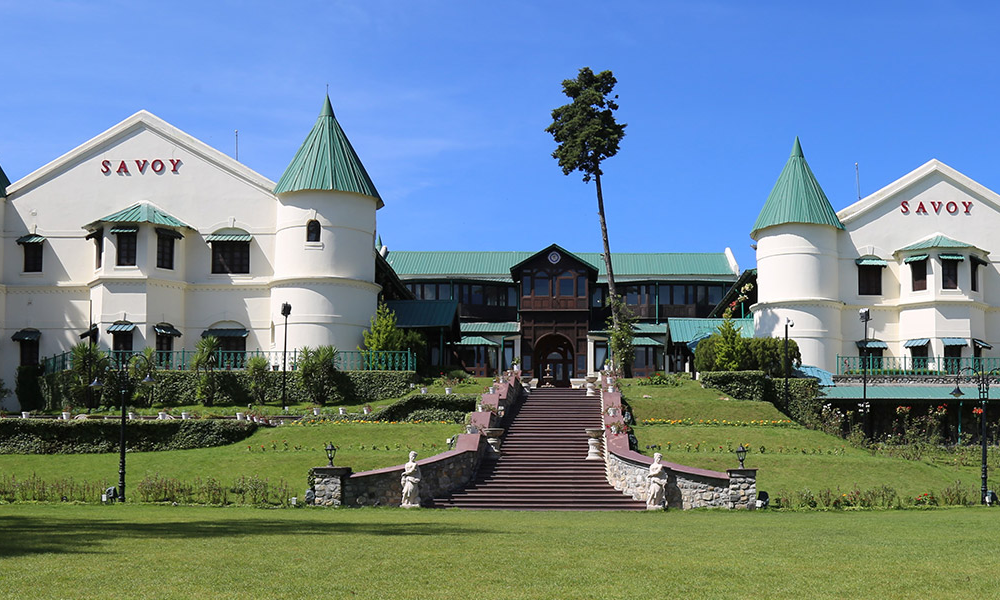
[909, 365]
[182, 360]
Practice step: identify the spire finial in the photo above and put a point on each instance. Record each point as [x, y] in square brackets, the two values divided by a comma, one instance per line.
[797, 148]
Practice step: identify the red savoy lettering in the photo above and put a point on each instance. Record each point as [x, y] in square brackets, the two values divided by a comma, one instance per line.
[951, 207]
[142, 166]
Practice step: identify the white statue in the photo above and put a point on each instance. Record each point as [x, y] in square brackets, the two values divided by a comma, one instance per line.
[411, 483]
[657, 479]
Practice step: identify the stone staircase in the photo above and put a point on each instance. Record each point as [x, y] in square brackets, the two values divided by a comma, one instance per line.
[542, 464]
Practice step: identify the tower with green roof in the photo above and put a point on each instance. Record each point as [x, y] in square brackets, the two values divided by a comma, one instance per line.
[797, 260]
[324, 262]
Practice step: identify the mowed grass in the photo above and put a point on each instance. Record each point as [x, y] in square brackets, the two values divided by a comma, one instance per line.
[788, 459]
[263, 454]
[162, 552]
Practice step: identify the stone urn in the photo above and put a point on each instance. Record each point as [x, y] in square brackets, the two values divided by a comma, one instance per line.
[493, 435]
[594, 437]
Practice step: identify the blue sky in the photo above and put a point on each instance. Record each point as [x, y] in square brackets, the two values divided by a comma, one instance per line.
[446, 102]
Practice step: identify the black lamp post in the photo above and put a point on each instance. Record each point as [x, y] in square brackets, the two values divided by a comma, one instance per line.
[865, 315]
[788, 365]
[286, 309]
[331, 451]
[741, 454]
[983, 385]
[96, 385]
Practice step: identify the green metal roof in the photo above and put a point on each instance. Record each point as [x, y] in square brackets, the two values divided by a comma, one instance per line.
[225, 332]
[916, 343]
[870, 261]
[953, 341]
[640, 328]
[641, 340]
[475, 340]
[142, 212]
[415, 314]
[871, 344]
[949, 256]
[327, 161]
[938, 241]
[4, 182]
[796, 197]
[940, 393]
[121, 327]
[486, 327]
[31, 238]
[915, 258]
[683, 330]
[166, 329]
[124, 229]
[228, 237]
[496, 265]
[26, 335]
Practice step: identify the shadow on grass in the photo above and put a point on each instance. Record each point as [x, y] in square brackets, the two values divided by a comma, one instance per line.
[24, 536]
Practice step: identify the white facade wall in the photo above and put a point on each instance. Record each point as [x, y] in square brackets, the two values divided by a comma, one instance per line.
[330, 284]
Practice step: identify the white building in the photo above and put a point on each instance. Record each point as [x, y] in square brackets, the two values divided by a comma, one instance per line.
[915, 253]
[158, 239]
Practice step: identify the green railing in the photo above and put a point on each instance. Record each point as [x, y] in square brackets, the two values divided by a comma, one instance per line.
[181, 360]
[908, 365]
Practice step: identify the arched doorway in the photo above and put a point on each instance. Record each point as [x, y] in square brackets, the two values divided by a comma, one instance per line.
[553, 360]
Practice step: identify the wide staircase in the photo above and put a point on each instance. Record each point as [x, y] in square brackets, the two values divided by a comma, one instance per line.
[542, 464]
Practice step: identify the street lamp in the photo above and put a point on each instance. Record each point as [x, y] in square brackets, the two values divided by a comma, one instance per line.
[286, 309]
[983, 385]
[331, 451]
[788, 365]
[741, 454]
[96, 385]
[865, 315]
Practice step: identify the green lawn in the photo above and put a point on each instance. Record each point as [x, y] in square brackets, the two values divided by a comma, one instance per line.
[162, 552]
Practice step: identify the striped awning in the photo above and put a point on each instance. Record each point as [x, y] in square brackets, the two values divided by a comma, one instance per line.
[641, 340]
[915, 258]
[949, 256]
[124, 229]
[870, 261]
[170, 233]
[871, 344]
[166, 329]
[225, 333]
[31, 238]
[26, 335]
[982, 344]
[121, 327]
[955, 341]
[228, 237]
[917, 342]
[475, 340]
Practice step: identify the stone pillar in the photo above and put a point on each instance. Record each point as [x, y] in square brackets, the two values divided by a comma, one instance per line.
[326, 486]
[742, 488]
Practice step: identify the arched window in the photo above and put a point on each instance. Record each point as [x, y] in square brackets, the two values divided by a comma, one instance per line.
[312, 231]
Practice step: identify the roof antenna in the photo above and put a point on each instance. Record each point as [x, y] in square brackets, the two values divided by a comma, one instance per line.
[857, 179]
[237, 132]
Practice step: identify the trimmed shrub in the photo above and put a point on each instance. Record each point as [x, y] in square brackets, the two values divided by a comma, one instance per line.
[803, 405]
[437, 414]
[31, 436]
[27, 388]
[402, 409]
[741, 385]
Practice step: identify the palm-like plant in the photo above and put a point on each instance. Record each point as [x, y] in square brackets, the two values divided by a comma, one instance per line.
[206, 359]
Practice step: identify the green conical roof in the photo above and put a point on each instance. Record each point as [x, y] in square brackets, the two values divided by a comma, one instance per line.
[4, 182]
[796, 197]
[327, 161]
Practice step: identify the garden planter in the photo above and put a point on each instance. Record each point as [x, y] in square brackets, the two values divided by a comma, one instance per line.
[341, 410]
[447, 391]
[65, 415]
[239, 416]
[25, 415]
[316, 411]
[185, 415]
[423, 390]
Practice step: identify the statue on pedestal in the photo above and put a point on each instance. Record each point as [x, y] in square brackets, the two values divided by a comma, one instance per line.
[657, 479]
[411, 483]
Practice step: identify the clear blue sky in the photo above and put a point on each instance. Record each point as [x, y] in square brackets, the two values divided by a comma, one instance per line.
[446, 102]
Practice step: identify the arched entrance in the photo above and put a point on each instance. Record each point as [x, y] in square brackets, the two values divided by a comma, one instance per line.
[553, 360]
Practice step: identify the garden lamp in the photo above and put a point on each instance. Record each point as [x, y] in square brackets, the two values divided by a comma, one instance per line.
[741, 454]
[331, 451]
[96, 385]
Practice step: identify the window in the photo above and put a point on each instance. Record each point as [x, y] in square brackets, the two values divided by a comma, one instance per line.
[919, 356]
[126, 248]
[542, 284]
[312, 231]
[952, 359]
[581, 286]
[32, 258]
[526, 285]
[231, 257]
[869, 280]
[566, 287]
[600, 355]
[631, 295]
[121, 341]
[597, 297]
[29, 353]
[918, 271]
[949, 274]
[164, 251]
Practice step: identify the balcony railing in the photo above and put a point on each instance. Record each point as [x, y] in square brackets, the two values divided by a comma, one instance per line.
[908, 365]
[227, 360]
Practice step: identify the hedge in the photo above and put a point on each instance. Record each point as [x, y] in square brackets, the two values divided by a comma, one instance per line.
[34, 436]
[803, 394]
[402, 409]
[175, 388]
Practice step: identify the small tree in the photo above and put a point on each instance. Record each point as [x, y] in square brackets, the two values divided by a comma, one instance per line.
[257, 378]
[383, 335]
[621, 336]
[318, 373]
[206, 359]
[731, 349]
[88, 362]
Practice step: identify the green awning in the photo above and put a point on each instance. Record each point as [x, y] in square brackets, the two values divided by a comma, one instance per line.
[26, 335]
[955, 341]
[31, 238]
[947, 256]
[170, 233]
[917, 342]
[121, 327]
[982, 344]
[871, 344]
[92, 332]
[166, 329]
[225, 333]
[915, 258]
[99, 232]
[124, 229]
[475, 340]
[870, 261]
[228, 237]
[642, 340]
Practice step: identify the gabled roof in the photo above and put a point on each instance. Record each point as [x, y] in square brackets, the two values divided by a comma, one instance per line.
[560, 253]
[142, 120]
[327, 161]
[4, 182]
[796, 197]
[489, 327]
[143, 212]
[936, 241]
[496, 265]
[683, 330]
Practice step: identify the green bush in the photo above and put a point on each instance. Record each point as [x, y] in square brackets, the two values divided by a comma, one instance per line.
[402, 409]
[437, 414]
[741, 385]
[32, 436]
[27, 388]
[803, 403]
